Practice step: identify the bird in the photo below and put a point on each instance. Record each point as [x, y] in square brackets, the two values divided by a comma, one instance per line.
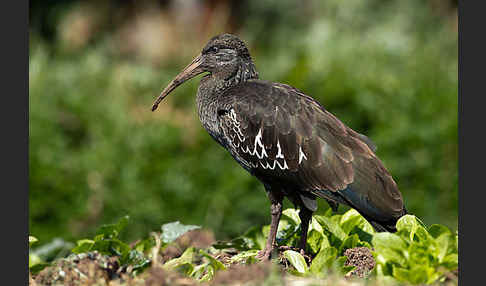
[286, 139]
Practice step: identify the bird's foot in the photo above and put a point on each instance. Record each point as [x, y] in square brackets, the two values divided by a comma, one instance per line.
[264, 255]
[286, 247]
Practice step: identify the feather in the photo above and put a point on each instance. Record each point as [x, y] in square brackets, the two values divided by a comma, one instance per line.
[291, 140]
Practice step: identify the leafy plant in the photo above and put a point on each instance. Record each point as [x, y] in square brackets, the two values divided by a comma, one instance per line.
[32, 240]
[171, 231]
[33, 258]
[416, 254]
[106, 242]
[138, 257]
[39, 257]
[91, 133]
[328, 236]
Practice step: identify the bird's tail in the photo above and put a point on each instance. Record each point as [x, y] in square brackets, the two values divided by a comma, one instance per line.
[381, 223]
[388, 226]
[383, 227]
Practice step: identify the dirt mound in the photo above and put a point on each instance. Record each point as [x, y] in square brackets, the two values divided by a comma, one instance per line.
[82, 269]
[362, 258]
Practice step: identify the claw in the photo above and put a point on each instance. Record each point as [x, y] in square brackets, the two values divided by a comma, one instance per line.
[264, 254]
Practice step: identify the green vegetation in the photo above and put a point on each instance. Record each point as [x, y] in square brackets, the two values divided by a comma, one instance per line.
[416, 254]
[387, 69]
[96, 152]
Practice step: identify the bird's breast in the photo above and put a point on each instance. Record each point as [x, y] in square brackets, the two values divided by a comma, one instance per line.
[207, 109]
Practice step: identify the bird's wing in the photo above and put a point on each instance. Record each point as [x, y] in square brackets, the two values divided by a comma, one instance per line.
[276, 127]
[276, 130]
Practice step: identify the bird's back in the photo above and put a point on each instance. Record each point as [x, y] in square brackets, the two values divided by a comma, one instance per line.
[287, 139]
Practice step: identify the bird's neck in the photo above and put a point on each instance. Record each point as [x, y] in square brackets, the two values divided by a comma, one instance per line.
[219, 82]
[213, 87]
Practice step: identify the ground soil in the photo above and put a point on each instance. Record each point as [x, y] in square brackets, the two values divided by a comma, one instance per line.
[241, 274]
[96, 269]
[82, 269]
[362, 258]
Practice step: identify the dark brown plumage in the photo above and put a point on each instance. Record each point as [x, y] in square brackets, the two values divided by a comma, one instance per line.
[287, 140]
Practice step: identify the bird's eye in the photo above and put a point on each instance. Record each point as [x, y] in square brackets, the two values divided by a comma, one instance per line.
[213, 49]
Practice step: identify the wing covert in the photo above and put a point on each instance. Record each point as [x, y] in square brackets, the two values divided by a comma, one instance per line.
[277, 130]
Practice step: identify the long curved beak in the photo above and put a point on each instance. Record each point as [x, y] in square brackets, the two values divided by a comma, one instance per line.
[193, 69]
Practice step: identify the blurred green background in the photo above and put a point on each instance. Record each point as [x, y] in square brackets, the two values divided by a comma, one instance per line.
[387, 69]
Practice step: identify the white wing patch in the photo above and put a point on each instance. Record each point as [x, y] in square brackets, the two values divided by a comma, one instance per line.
[236, 127]
[275, 163]
[301, 155]
[279, 152]
[258, 143]
[259, 149]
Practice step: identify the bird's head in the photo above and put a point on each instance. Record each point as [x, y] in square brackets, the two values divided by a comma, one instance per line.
[225, 57]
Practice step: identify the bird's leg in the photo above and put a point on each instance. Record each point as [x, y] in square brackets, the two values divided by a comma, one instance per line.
[305, 217]
[276, 212]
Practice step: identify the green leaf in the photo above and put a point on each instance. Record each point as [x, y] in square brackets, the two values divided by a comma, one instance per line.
[413, 227]
[34, 260]
[338, 265]
[314, 225]
[32, 240]
[171, 231]
[450, 261]
[314, 240]
[208, 275]
[145, 244]
[54, 249]
[206, 271]
[332, 228]
[324, 243]
[198, 271]
[388, 240]
[364, 244]
[328, 212]
[401, 274]
[352, 219]
[316, 236]
[390, 247]
[108, 246]
[112, 230]
[323, 260]
[292, 215]
[135, 258]
[247, 257]
[254, 238]
[36, 268]
[409, 224]
[336, 218]
[296, 260]
[436, 230]
[287, 232]
[83, 245]
[111, 247]
[187, 268]
[185, 258]
[350, 242]
[418, 274]
[213, 261]
[445, 242]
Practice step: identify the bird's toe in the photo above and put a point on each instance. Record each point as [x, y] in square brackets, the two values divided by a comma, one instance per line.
[264, 255]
